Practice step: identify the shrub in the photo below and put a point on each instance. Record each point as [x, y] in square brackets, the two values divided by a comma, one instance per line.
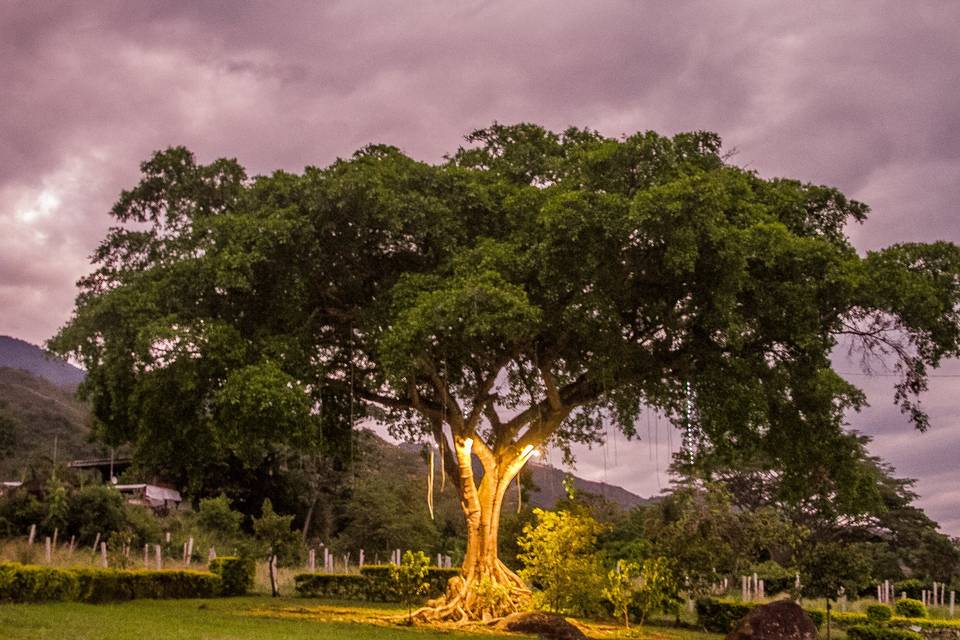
[381, 589]
[720, 617]
[912, 587]
[409, 578]
[334, 586]
[910, 608]
[870, 632]
[25, 583]
[373, 584]
[560, 559]
[878, 614]
[110, 585]
[236, 574]
[96, 509]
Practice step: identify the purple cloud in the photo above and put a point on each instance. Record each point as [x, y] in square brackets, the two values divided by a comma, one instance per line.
[861, 95]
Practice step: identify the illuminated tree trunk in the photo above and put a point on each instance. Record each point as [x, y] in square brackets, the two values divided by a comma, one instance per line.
[486, 588]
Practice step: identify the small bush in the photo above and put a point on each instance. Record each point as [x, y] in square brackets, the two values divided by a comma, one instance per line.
[871, 632]
[236, 574]
[910, 608]
[878, 614]
[912, 587]
[720, 617]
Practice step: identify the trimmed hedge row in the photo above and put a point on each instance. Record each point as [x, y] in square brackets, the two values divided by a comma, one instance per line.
[721, 616]
[28, 583]
[873, 632]
[373, 584]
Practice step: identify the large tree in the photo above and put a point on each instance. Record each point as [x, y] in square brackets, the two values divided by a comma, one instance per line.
[531, 289]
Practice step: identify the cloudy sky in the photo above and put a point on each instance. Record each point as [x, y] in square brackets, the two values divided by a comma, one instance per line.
[864, 96]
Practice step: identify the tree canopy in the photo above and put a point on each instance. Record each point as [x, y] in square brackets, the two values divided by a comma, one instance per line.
[534, 287]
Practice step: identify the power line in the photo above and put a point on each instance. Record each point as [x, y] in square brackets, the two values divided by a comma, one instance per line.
[894, 375]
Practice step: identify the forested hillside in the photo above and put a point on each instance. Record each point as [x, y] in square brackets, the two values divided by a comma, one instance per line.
[39, 420]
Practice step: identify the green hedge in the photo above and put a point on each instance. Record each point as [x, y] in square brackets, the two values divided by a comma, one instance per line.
[871, 632]
[28, 583]
[373, 584]
[112, 585]
[910, 608]
[333, 586]
[236, 574]
[721, 616]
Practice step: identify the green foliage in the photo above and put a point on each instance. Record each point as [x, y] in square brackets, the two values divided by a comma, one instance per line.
[871, 632]
[657, 588]
[25, 583]
[275, 536]
[409, 578]
[620, 588]
[910, 608]
[561, 561]
[879, 614]
[339, 586]
[912, 587]
[96, 509]
[373, 584]
[828, 567]
[642, 589]
[721, 616]
[718, 616]
[112, 585]
[705, 534]
[236, 574]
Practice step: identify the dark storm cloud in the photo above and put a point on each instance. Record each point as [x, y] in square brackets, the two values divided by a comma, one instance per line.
[861, 95]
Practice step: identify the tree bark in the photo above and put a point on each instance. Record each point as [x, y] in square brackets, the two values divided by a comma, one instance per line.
[486, 588]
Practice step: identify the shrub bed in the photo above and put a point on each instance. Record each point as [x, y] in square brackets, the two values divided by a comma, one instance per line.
[872, 632]
[373, 584]
[27, 583]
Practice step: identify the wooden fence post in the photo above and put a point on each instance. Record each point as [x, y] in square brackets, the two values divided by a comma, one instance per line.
[103, 553]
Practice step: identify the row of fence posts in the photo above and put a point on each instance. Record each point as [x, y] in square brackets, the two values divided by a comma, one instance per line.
[329, 563]
[751, 588]
[50, 543]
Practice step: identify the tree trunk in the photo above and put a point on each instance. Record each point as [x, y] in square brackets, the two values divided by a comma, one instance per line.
[272, 568]
[486, 588]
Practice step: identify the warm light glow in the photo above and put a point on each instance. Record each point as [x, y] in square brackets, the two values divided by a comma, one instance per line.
[536, 453]
[526, 450]
[468, 444]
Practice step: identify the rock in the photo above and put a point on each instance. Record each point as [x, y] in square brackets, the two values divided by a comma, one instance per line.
[549, 626]
[781, 620]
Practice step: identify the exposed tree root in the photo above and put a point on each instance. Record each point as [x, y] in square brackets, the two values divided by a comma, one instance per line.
[478, 598]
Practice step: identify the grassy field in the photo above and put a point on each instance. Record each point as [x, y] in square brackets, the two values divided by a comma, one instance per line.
[248, 618]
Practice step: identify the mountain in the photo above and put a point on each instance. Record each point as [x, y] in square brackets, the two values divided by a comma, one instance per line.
[18, 354]
[549, 488]
[39, 419]
[547, 482]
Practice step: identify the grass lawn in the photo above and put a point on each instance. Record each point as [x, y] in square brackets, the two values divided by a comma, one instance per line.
[242, 618]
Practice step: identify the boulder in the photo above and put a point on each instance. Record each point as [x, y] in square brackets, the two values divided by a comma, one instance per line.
[781, 620]
[548, 626]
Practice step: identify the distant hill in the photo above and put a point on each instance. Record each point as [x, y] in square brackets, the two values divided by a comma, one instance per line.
[548, 484]
[19, 354]
[42, 415]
